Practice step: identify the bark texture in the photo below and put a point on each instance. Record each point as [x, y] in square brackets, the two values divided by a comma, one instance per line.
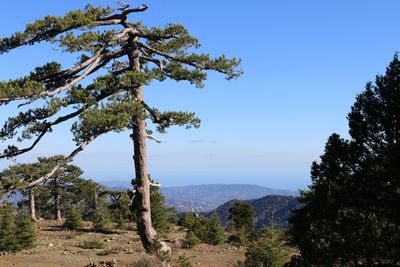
[32, 205]
[147, 233]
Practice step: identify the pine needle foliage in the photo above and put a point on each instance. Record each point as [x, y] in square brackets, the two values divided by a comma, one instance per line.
[73, 220]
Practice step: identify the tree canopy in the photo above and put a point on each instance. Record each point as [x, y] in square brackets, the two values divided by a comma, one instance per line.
[350, 214]
[120, 57]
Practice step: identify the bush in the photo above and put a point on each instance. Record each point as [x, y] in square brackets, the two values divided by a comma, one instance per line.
[73, 220]
[183, 261]
[101, 219]
[238, 239]
[190, 240]
[92, 244]
[268, 249]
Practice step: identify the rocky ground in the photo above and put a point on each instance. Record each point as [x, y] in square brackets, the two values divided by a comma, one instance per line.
[57, 247]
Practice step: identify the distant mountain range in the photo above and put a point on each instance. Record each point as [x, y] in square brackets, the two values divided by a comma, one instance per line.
[272, 208]
[204, 198]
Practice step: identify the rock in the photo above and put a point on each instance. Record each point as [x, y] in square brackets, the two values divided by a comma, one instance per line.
[51, 245]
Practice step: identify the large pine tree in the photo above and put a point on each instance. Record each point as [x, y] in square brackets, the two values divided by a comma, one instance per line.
[351, 214]
[132, 55]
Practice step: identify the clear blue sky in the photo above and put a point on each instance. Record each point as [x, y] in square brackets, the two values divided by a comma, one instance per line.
[304, 63]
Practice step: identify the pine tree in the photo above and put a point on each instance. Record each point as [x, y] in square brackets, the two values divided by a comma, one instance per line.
[133, 55]
[242, 217]
[25, 231]
[73, 220]
[350, 214]
[267, 250]
[101, 218]
[8, 241]
[215, 230]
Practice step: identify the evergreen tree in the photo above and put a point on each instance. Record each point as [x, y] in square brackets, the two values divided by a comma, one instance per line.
[242, 217]
[25, 233]
[101, 218]
[350, 214]
[73, 220]
[8, 241]
[267, 250]
[215, 230]
[133, 55]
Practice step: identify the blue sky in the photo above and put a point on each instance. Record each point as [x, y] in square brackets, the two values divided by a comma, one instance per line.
[304, 63]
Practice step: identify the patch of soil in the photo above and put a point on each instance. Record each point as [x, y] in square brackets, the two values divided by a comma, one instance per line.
[58, 247]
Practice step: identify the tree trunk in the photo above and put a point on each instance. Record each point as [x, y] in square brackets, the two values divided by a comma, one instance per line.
[32, 204]
[57, 207]
[146, 231]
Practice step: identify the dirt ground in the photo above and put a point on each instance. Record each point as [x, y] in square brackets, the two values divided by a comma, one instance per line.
[57, 247]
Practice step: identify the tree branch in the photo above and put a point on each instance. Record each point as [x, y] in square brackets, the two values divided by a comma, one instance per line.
[59, 165]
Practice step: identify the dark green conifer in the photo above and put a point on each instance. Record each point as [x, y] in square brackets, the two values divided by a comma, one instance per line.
[350, 214]
[267, 250]
[242, 217]
[8, 240]
[73, 220]
[25, 232]
[215, 230]
[101, 218]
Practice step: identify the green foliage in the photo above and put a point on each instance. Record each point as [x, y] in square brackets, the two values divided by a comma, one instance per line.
[349, 215]
[161, 216]
[209, 231]
[267, 250]
[101, 218]
[183, 261]
[190, 240]
[107, 103]
[8, 240]
[25, 230]
[92, 244]
[16, 232]
[242, 217]
[238, 239]
[73, 220]
[215, 231]
[51, 26]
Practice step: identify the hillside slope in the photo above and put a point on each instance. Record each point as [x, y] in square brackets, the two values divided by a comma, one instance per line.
[268, 208]
[204, 198]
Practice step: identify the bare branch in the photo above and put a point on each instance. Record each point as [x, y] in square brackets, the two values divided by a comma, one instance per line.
[155, 184]
[48, 126]
[59, 165]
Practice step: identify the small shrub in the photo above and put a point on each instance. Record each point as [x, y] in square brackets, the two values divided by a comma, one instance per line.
[190, 240]
[73, 220]
[268, 249]
[110, 251]
[237, 240]
[183, 261]
[92, 244]
[101, 219]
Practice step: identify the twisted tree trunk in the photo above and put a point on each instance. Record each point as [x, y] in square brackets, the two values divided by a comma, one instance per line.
[146, 231]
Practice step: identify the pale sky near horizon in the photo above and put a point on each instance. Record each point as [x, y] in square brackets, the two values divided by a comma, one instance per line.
[304, 63]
